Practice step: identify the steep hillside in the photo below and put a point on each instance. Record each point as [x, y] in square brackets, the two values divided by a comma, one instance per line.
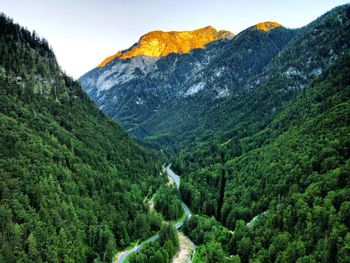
[181, 99]
[72, 182]
[237, 125]
[212, 98]
[142, 92]
[255, 97]
[132, 90]
[296, 185]
[314, 49]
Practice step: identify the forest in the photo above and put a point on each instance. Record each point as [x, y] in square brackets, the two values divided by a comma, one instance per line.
[265, 171]
[296, 181]
[167, 202]
[72, 182]
[160, 251]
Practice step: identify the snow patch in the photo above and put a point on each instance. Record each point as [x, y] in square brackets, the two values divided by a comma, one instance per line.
[195, 89]
[101, 99]
[218, 72]
[223, 93]
[198, 66]
[291, 71]
[123, 71]
[139, 101]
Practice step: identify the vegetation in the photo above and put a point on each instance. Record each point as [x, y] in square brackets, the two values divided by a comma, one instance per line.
[298, 176]
[209, 236]
[167, 201]
[268, 166]
[161, 251]
[72, 183]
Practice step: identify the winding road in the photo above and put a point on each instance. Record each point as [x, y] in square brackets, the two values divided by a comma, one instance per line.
[138, 247]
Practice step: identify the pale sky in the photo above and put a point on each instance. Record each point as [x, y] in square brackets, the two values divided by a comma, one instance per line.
[84, 32]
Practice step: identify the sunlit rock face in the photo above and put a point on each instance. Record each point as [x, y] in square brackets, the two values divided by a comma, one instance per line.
[160, 43]
[266, 26]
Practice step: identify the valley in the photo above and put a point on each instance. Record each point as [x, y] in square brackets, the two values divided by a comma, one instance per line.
[254, 127]
[232, 119]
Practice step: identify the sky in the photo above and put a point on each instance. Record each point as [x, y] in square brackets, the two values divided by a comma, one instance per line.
[84, 32]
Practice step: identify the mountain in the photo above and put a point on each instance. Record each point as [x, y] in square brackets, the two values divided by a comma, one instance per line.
[286, 200]
[72, 182]
[134, 91]
[257, 127]
[160, 43]
[180, 98]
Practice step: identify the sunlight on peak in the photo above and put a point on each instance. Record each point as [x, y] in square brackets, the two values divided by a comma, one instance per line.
[160, 43]
[268, 25]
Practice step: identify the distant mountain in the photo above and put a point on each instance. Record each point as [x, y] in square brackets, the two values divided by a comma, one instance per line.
[135, 90]
[72, 182]
[160, 43]
[179, 98]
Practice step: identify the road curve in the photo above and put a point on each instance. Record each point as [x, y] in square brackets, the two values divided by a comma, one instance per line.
[137, 247]
[174, 176]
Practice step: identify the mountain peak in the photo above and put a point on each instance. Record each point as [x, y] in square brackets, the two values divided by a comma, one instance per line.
[268, 25]
[160, 43]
